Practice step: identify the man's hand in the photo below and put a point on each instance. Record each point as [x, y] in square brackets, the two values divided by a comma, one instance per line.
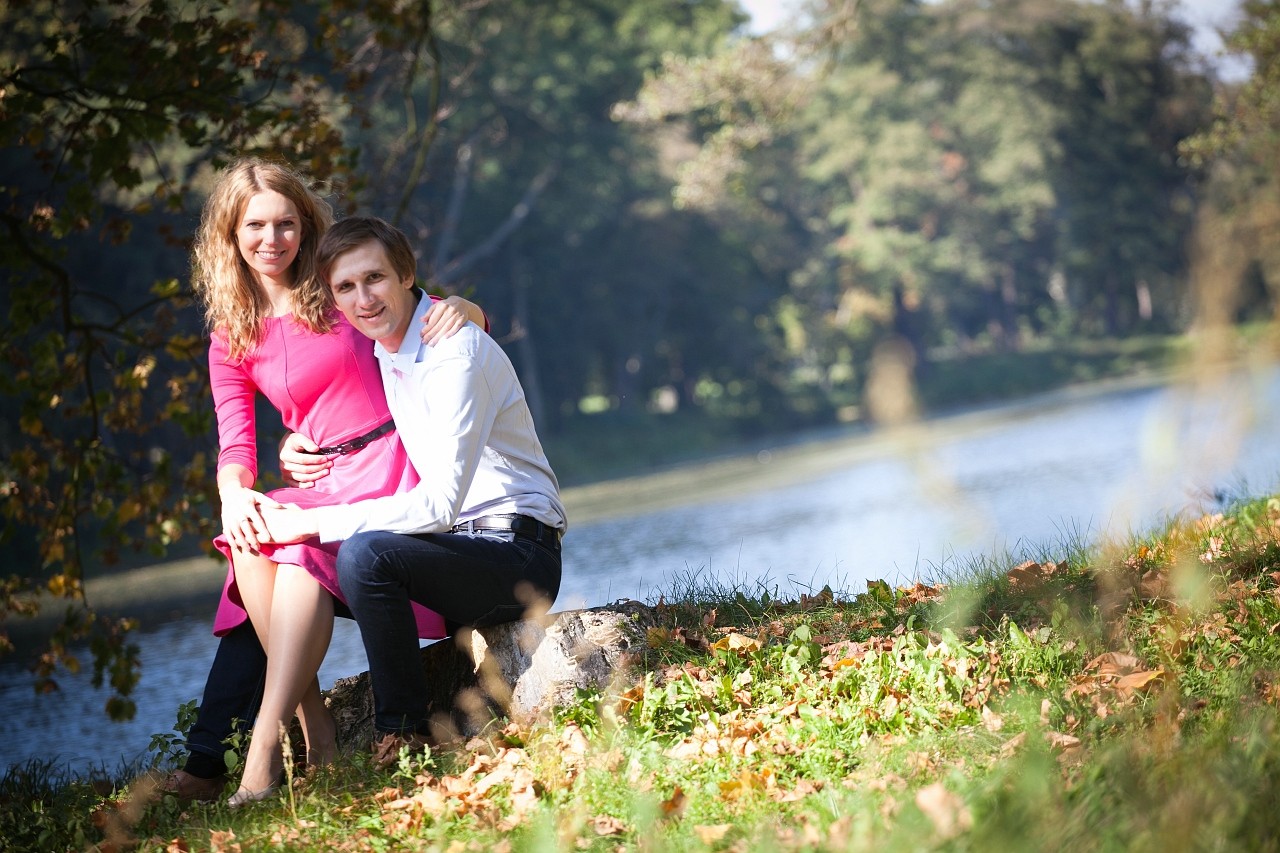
[287, 523]
[242, 519]
[443, 319]
[299, 465]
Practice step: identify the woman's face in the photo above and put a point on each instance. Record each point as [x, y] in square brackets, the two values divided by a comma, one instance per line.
[269, 235]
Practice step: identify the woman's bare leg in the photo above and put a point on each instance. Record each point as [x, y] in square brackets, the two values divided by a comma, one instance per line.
[318, 726]
[301, 625]
[256, 580]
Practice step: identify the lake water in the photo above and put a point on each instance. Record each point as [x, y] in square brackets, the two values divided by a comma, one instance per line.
[898, 506]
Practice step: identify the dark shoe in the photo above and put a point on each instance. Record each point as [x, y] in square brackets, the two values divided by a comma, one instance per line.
[387, 746]
[188, 788]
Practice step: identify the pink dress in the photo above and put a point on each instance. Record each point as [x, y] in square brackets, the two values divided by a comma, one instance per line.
[328, 388]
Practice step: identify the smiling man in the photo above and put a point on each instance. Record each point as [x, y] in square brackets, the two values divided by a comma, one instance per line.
[478, 539]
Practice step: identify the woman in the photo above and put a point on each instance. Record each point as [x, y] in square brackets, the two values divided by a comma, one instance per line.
[274, 334]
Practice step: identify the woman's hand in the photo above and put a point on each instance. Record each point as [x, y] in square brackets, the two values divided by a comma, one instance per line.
[242, 520]
[299, 465]
[445, 318]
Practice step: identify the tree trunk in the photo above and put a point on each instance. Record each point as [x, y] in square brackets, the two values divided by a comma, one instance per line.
[529, 376]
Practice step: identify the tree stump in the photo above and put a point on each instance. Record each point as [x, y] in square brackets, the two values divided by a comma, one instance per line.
[517, 670]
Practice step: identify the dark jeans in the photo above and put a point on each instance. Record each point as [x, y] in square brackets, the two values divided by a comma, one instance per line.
[233, 691]
[469, 580]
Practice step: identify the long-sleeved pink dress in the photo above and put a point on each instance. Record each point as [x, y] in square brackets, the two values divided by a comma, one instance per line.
[326, 387]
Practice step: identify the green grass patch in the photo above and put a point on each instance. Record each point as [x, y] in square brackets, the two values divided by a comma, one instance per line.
[1116, 696]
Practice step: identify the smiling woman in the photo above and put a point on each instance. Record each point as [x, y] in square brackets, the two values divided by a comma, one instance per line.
[269, 236]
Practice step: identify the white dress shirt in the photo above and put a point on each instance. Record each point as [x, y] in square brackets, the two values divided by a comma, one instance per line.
[464, 421]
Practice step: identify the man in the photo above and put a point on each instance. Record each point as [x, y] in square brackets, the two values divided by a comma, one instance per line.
[478, 540]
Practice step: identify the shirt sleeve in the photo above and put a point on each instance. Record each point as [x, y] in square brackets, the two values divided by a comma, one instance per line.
[233, 403]
[445, 447]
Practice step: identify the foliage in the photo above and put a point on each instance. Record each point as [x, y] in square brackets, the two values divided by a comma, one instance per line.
[1236, 264]
[105, 390]
[973, 177]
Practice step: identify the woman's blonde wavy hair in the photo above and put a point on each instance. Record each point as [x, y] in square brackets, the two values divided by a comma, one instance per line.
[234, 304]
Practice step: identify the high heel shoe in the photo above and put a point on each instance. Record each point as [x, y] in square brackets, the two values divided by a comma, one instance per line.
[244, 796]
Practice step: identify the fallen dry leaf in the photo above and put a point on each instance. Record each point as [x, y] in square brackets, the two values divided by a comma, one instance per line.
[223, 841]
[713, 833]
[1136, 681]
[1061, 741]
[1113, 663]
[607, 825]
[735, 642]
[802, 789]
[991, 721]
[631, 698]
[1013, 744]
[673, 806]
[945, 810]
[1027, 574]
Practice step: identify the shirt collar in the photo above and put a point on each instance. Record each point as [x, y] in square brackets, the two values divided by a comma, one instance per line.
[408, 355]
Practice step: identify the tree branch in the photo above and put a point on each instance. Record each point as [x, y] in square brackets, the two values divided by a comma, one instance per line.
[453, 213]
[517, 217]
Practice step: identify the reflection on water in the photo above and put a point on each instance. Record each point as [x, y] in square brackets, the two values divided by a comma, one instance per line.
[972, 484]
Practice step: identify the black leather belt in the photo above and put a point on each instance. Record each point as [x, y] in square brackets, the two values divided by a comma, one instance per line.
[358, 442]
[521, 525]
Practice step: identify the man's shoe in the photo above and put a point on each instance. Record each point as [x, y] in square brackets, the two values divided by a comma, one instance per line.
[188, 788]
[387, 746]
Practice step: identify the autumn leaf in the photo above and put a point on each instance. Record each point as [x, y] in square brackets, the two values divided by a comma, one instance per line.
[712, 833]
[573, 742]
[1137, 681]
[631, 698]
[1062, 743]
[607, 825]
[991, 721]
[1154, 585]
[1029, 574]
[223, 841]
[1013, 744]
[739, 643]
[803, 788]
[945, 810]
[917, 593]
[1111, 664]
[674, 806]
[747, 781]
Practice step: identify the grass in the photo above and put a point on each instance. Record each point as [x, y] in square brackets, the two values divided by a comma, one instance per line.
[1103, 696]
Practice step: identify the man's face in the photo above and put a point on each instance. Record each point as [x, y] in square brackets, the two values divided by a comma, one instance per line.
[371, 296]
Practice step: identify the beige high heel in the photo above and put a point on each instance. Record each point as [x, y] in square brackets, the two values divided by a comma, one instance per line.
[244, 796]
